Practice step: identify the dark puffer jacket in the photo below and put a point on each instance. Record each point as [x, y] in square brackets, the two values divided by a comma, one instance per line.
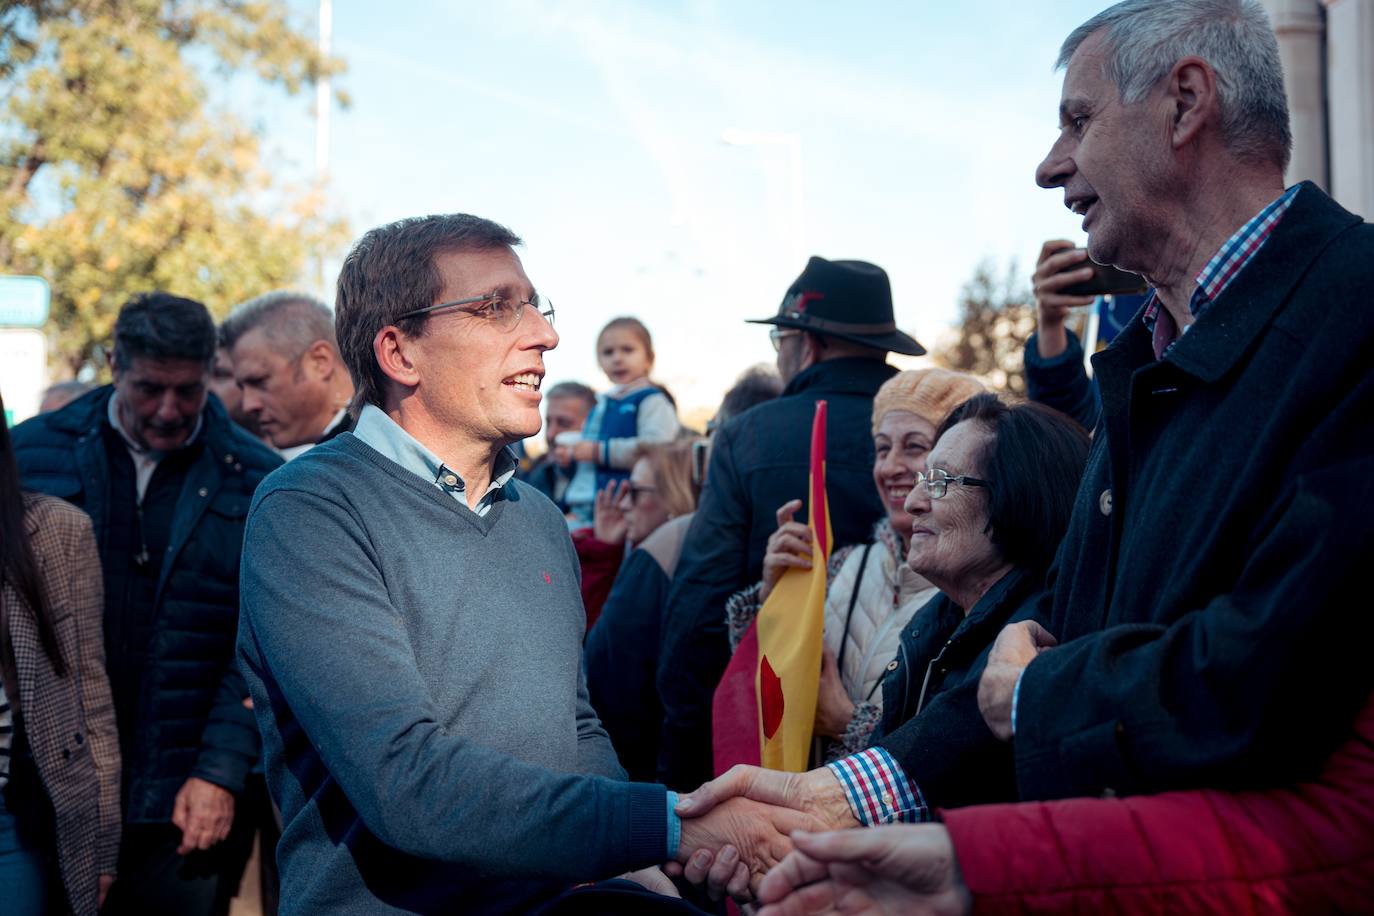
[191, 719]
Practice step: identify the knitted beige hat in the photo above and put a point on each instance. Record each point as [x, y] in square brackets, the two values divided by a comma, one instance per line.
[928, 393]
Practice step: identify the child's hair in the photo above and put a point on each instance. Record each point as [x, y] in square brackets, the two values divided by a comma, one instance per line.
[637, 328]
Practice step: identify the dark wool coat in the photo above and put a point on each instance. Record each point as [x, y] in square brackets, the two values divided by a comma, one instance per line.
[191, 719]
[68, 721]
[759, 460]
[1210, 596]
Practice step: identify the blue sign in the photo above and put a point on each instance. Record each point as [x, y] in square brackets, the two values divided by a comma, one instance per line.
[23, 302]
[1114, 312]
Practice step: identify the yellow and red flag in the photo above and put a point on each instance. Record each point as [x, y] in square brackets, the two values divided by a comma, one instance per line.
[789, 629]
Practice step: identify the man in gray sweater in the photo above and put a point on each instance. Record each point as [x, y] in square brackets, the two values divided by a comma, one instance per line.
[411, 622]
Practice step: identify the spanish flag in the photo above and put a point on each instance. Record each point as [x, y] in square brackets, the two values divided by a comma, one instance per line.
[789, 629]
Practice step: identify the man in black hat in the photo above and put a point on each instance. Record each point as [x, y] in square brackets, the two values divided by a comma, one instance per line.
[832, 334]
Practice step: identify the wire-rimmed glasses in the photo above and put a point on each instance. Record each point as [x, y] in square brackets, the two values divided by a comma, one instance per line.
[937, 481]
[502, 311]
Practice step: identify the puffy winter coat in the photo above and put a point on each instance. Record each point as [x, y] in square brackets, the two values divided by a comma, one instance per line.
[191, 719]
[1304, 849]
[889, 593]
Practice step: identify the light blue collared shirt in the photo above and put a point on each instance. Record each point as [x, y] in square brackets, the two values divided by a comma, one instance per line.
[384, 434]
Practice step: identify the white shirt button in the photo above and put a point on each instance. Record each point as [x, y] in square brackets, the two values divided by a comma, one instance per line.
[1104, 502]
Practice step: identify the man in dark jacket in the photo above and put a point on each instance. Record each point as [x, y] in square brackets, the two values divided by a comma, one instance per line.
[1201, 598]
[832, 334]
[166, 478]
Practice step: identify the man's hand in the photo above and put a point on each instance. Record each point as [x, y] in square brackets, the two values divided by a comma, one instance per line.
[885, 870]
[1052, 274]
[788, 547]
[1016, 647]
[204, 812]
[106, 882]
[608, 522]
[816, 793]
[758, 833]
[653, 878]
[834, 708]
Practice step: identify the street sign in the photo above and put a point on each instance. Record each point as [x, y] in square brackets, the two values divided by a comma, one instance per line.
[23, 302]
[23, 372]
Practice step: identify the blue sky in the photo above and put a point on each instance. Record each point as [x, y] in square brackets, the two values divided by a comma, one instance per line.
[593, 129]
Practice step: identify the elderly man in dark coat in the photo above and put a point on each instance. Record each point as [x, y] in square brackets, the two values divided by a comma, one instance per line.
[1199, 629]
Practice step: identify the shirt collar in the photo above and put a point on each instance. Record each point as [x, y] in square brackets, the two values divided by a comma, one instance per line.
[384, 434]
[1231, 258]
[112, 414]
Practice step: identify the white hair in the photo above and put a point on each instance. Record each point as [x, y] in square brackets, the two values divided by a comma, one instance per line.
[1145, 38]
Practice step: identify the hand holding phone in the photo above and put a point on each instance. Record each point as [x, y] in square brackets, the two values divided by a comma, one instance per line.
[1106, 280]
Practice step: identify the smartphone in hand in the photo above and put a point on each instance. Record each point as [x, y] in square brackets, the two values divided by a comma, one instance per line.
[1105, 281]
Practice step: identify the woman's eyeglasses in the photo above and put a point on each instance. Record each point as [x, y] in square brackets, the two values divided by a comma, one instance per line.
[937, 482]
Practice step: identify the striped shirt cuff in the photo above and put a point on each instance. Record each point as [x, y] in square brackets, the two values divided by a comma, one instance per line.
[878, 790]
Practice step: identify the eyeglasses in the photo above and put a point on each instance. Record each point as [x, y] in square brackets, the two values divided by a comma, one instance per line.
[937, 482]
[776, 335]
[635, 490]
[501, 311]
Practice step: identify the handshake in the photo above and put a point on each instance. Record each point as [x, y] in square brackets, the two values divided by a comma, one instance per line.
[738, 835]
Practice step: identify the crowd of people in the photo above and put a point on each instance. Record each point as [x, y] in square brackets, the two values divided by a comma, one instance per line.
[293, 576]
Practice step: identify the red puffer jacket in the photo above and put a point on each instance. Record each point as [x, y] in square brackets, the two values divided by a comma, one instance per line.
[1309, 849]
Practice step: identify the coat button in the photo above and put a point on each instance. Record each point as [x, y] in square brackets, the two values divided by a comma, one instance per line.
[79, 738]
[66, 753]
[202, 492]
[892, 665]
[228, 459]
[1104, 502]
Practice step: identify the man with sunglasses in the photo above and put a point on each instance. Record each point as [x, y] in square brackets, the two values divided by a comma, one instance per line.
[287, 365]
[412, 624]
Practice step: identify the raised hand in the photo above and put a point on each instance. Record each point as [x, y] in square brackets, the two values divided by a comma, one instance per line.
[788, 547]
[759, 834]
[608, 521]
[884, 870]
[1060, 265]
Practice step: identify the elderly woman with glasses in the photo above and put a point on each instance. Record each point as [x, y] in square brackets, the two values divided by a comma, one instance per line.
[987, 514]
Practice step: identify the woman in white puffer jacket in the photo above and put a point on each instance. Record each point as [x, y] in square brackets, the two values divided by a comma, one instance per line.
[872, 593]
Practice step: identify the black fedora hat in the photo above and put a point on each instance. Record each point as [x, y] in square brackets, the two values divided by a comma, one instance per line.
[851, 300]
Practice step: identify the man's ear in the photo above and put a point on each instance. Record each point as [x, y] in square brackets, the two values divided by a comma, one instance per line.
[813, 349]
[391, 349]
[114, 366]
[320, 359]
[1192, 92]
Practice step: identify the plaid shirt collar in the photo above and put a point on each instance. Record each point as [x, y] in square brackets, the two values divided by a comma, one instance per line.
[1233, 256]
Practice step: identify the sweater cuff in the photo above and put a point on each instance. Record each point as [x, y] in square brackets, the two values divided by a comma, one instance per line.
[674, 827]
[649, 837]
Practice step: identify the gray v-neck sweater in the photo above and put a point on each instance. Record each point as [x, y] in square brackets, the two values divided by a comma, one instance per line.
[415, 672]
